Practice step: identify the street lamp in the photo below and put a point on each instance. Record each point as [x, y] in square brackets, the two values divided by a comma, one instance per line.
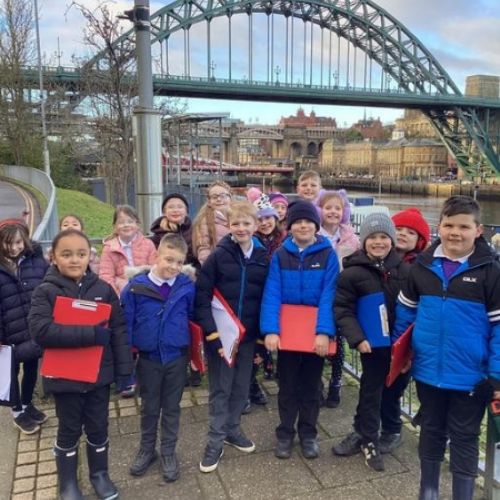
[335, 75]
[277, 71]
[212, 69]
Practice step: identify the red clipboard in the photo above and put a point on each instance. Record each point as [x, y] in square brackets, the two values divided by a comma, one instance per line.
[229, 327]
[400, 355]
[81, 364]
[298, 329]
[197, 352]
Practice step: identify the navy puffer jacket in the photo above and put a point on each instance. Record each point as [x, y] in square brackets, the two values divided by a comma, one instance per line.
[15, 299]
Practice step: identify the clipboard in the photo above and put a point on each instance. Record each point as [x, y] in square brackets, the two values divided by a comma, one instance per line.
[229, 327]
[81, 364]
[7, 372]
[196, 349]
[298, 329]
[401, 353]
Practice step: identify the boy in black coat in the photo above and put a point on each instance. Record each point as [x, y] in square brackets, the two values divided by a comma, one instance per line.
[237, 269]
[365, 303]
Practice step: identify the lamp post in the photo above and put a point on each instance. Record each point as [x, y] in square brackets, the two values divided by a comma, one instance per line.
[212, 69]
[335, 79]
[277, 71]
[46, 157]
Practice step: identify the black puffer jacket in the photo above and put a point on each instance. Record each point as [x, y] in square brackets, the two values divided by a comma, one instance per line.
[117, 357]
[361, 278]
[239, 280]
[15, 299]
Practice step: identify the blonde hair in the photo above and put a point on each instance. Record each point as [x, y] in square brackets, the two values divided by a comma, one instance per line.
[242, 209]
[174, 242]
[221, 184]
[330, 195]
[309, 174]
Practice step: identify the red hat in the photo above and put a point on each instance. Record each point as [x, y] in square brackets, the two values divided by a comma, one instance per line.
[413, 218]
[12, 221]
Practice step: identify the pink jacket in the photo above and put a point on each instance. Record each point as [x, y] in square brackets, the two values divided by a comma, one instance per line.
[347, 244]
[205, 246]
[114, 261]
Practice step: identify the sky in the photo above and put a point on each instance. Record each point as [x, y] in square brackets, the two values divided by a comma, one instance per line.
[461, 34]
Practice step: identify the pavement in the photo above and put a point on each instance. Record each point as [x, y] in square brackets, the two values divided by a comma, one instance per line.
[27, 467]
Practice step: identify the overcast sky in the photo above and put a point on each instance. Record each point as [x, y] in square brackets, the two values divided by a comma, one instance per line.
[463, 35]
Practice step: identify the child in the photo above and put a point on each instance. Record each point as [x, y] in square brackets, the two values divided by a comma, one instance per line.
[302, 271]
[335, 226]
[72, 221]
[211, 224]
[309, 186]
[158, 305]
[22, 268]
[453, 296]
[367, 290]
[280, 203]
[412, 237]
[237, 269]
[80, 404]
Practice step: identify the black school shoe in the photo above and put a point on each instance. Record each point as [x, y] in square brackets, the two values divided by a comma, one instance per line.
[283, 448]
[389, 442]
[170, 467]
[350, 445]
[142, 461]
[26, 424]
[309, 448]
[36, 415]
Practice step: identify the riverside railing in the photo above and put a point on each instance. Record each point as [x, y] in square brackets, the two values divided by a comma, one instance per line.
[48, 226]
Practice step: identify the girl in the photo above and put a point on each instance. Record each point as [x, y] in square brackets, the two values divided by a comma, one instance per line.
[280, 203]
[335, 227]
[125, 249]
[211, 224]
[80, 404]
[22, 268]
[72, 221]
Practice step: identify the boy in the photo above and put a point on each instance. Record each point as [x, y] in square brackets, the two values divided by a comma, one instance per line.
[158, 305]
[303, 271]
[309, 186]
[364, 311]
[453, 296]
[237, 268]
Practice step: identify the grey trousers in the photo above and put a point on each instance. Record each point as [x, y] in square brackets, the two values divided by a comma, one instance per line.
[228, 393]
[161, 388]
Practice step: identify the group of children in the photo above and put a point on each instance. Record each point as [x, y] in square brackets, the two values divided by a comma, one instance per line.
[260, 256]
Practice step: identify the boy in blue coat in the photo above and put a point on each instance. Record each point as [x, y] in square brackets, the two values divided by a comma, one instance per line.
[302, 271]
[158, 306]
[453, 297]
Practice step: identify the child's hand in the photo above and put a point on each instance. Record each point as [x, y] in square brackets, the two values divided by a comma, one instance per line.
[496, 395]
[321, 344]
[272, 342]
[364, 347]
[214, 344]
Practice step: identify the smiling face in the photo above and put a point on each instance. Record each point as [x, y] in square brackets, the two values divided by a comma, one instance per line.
[303, 232]
[175, 211]
[458, 234]
[267, 225]
[71, 256]
[281, 208]
[406, 239]
[168, 263]
[308, 189]
[242, 228]
[331, 213]
[219, 198]
[126, 227]
[15, 247]
[378, 245]
[70, 222]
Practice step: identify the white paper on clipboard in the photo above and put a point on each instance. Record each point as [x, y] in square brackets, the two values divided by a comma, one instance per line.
[5, 371]
[228, 328]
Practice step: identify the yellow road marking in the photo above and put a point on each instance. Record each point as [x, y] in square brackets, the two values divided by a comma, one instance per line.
[30, 207]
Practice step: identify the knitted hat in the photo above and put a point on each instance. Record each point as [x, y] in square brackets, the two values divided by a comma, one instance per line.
[175, 195]
[278, 197]
[302, 209]
[412, 218]
[253, 194]
[377, 222]
[264, 207]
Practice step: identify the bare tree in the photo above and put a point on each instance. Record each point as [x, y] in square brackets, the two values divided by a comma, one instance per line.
[17, 121]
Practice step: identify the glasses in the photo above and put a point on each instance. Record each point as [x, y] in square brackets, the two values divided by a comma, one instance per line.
[125, 222]
[220, 196]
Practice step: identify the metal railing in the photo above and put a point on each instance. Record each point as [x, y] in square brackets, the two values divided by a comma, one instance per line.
[48, 226]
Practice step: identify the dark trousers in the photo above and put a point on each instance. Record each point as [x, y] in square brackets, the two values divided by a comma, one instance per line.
[87, 411]
[161, 388]
[298, 396]
[337, 362]
[375, 368]
[456, 415]
[390, 410]
[228, 393]
[23, 393]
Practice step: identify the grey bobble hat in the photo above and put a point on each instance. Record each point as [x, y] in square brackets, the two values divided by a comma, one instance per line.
[377, 222]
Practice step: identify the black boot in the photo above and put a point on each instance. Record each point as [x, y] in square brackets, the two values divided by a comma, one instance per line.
[462, 487]
[429, 480]
[333, 398]
[97, 457]
[67, 466]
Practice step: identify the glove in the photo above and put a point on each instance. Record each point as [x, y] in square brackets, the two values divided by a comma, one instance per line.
[484, 390]
[213, 343]
[102, 335]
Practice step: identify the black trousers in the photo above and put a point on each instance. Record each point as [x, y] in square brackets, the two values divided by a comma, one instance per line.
[299, 379]
[23, 392]
[375, 368]
[390, 411]
[161, 388]
[87, 411]
[456, 415]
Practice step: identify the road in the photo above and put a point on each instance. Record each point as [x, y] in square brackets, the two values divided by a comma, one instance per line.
[15, 202]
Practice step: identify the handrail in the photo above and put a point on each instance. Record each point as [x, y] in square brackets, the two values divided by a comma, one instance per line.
[48, 226]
